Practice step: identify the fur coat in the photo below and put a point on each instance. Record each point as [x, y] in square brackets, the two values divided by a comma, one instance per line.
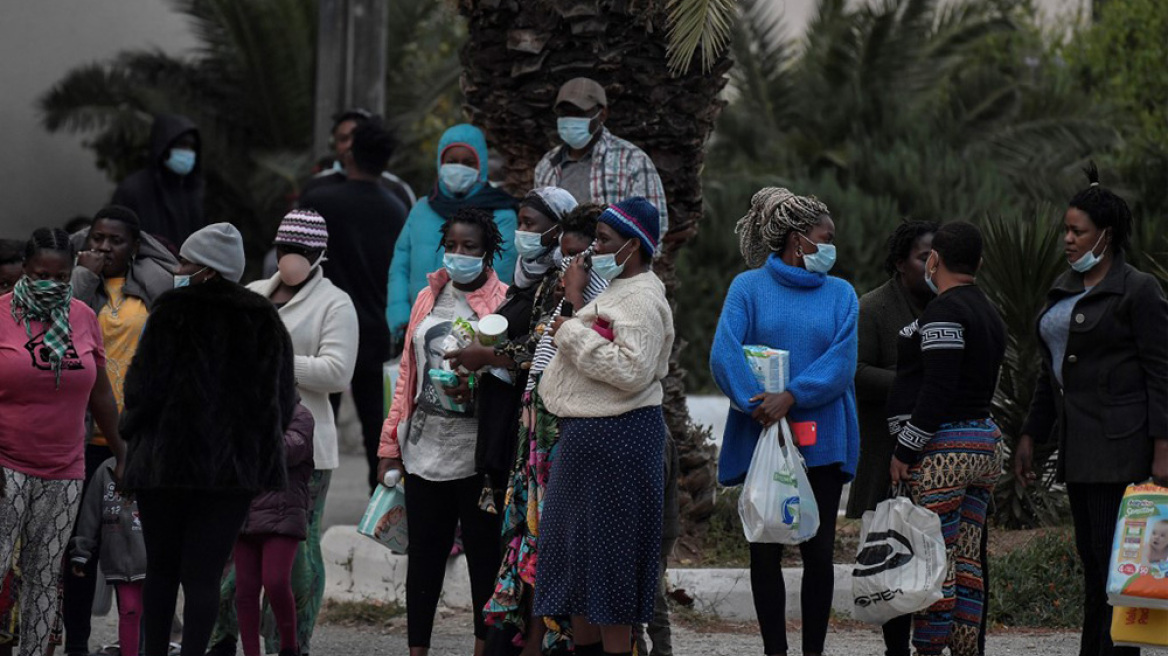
[210, 393]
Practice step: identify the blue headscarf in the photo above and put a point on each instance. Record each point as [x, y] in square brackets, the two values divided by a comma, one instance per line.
[482, 195]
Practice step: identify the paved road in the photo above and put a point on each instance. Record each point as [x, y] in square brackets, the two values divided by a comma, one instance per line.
[452, 638]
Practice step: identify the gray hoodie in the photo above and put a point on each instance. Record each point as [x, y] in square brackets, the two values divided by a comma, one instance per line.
[109, 522]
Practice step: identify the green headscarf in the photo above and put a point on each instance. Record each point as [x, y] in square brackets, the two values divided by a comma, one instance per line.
[46, 301]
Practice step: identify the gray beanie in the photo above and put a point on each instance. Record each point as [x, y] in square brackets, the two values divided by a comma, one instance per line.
[219, 246]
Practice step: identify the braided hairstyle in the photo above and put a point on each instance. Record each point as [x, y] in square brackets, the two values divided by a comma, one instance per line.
[900, 242]
[775, 212]
[1105, 209]
[49, 239]
[485, 221]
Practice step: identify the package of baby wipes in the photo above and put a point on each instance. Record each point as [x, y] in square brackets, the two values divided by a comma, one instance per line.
[771, 367]
[1138, 576]
[1139, 627]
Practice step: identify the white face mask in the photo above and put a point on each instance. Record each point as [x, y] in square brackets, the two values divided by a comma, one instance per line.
[1088, 260]
[606, 265]
[458, 178]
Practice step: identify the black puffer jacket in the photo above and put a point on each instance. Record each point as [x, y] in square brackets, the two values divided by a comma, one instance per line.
[285, 512]
[210, 393]
[169, 206]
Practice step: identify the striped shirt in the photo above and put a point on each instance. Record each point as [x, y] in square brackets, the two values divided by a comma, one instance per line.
[620, 170]
[546, 349]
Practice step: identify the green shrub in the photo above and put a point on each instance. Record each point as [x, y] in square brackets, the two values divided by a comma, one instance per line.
[1039, 584]
[725, 545]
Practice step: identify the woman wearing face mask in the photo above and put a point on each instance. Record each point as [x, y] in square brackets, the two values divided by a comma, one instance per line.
[120, 273]
[1102, 392]
[432, 441]
[948, 450]
[462, 183]
[789, 302]
[52, 369]
[322, 322]
[600, 531]
[209, 396]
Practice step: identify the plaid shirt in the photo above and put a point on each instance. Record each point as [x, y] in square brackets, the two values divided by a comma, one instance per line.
[620, 170]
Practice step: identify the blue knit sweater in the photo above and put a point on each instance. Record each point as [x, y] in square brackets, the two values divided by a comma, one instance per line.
[814, 317]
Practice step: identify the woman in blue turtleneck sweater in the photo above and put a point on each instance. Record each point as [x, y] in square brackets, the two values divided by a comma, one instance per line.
[789, 302]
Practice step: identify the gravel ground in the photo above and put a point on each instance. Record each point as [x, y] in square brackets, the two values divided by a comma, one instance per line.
[453, 630]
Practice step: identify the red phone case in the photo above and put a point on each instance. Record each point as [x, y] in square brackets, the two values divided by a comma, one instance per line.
[805, 432]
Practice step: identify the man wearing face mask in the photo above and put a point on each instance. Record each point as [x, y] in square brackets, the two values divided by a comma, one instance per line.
[364, 221]
[593, 164]
[167, 195]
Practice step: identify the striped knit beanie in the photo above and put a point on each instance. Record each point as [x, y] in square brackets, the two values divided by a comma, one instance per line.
[636, 218]
[303, 228]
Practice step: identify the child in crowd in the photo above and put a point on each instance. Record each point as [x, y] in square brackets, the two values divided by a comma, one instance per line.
[276, 525]
[109, 527]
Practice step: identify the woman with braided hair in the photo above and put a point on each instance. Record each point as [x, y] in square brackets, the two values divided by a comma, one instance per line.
[1102, 391]
[787, 301]
[52, 369]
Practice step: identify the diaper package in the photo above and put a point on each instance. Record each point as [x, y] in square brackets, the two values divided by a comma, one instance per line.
[771, 367]
[385, 516]
[1138, 576]
[1139, 627]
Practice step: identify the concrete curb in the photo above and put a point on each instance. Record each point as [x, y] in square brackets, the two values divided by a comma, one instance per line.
[359, 569]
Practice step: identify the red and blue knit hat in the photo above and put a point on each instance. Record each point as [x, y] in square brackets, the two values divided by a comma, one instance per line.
[636, 218]
[303, 228]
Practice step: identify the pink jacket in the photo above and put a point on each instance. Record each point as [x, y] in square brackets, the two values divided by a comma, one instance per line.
[483, 301]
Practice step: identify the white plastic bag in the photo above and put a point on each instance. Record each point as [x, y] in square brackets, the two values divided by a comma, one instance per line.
[777, 504]
[901, 564]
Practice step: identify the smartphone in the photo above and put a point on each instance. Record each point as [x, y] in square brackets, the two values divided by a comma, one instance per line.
[566, 309]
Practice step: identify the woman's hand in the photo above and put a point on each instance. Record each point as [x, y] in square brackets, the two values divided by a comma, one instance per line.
[1024, 460]
[472, 358]
[575, 281]
[773, 407]
[386, 464]
[1160, 463]
[460, 393]
[78, 571]
[556, 323]
[92, 260]
[898, 470]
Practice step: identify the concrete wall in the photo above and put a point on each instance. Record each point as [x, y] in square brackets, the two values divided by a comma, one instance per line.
[46, 179]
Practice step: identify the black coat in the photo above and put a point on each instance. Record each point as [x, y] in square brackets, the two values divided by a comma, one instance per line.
[210, 393]
[168, 205]
[1114, 397]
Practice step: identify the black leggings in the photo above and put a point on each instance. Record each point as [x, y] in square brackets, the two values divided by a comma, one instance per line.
[369, 400]
[1094, 507]
[433, 511]
[189, 535]
[766, 572]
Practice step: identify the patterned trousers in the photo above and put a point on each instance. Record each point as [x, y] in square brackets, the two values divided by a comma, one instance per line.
[39, 513]
[955, 478]
[307, 581]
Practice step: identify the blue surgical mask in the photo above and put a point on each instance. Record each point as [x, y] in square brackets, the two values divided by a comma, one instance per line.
[463, 269]
[458, 178]
[181, 160]
[929, 279]
[822, 260]
[575, 131]
[184, 280]
[1089, 259]
[605, 265]
[529, 245]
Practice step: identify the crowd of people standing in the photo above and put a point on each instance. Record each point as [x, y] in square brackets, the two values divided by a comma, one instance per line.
[169, 427]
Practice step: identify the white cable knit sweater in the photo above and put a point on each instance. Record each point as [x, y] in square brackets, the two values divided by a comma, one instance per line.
[593, 377]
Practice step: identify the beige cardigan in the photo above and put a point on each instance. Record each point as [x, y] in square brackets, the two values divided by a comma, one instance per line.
[323, 324]
[593, 377]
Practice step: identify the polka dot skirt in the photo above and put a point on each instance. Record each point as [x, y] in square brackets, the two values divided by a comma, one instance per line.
[600, 532]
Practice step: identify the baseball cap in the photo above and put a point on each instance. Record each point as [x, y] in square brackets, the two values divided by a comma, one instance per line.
[582, 92]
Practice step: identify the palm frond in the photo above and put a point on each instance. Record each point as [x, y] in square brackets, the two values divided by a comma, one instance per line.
[698, 24]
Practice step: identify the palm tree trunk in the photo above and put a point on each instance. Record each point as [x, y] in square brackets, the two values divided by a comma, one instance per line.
[514, 62]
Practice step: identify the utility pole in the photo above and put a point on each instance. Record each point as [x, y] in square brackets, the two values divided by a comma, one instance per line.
[352, 45]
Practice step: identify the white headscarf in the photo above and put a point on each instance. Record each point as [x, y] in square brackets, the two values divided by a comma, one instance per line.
[555, 204]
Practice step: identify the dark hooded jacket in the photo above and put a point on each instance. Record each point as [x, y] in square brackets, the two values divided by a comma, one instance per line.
[169, 206]
[285, 512]
[210, 393]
